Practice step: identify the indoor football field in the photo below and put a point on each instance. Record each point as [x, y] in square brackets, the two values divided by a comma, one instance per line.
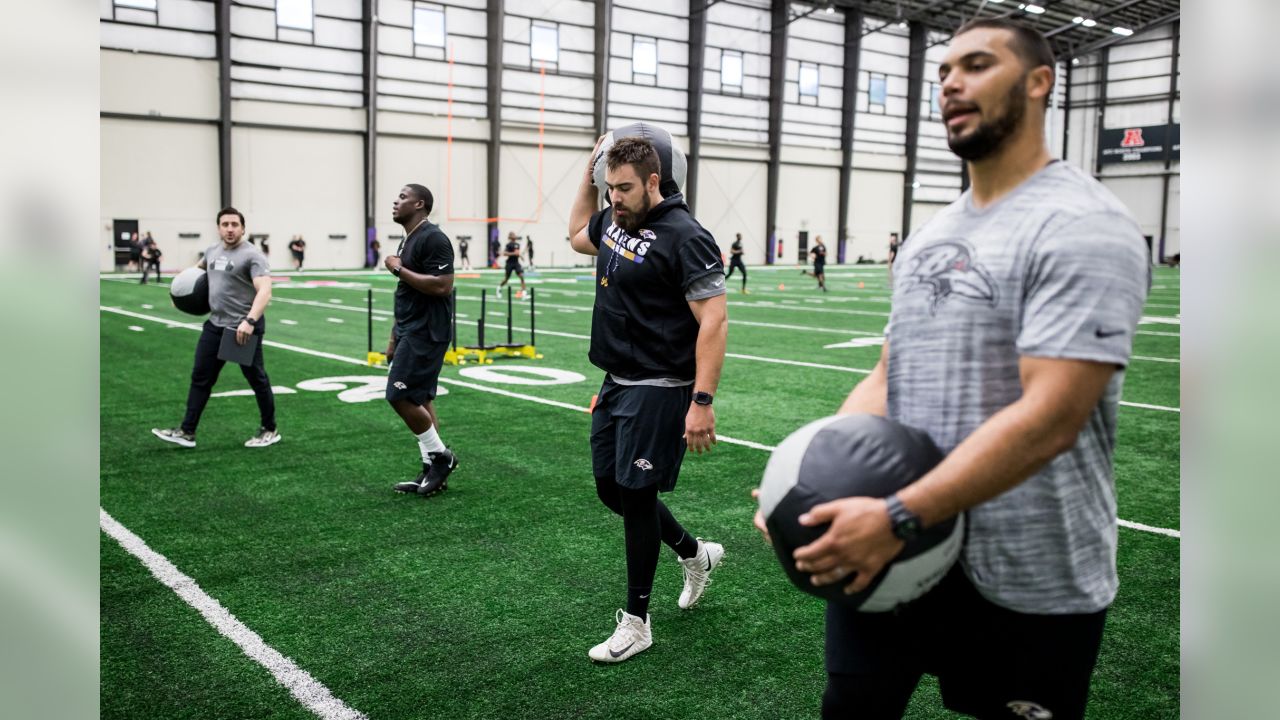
[221, 561]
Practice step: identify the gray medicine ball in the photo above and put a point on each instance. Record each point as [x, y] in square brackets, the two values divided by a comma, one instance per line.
[190, 291]
[674, 166]
[847, 456]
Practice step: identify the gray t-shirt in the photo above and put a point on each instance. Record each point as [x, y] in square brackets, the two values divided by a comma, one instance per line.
[231, 274]
[1056, 269]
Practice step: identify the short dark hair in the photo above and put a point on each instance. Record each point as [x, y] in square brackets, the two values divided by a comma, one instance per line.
[424, 195]
[1028, 43]
[228, 210]
[637, 152]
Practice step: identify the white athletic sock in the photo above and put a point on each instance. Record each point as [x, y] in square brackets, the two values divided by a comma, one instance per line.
[429, 442]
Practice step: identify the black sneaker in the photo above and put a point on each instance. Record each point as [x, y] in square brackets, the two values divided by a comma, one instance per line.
[437, 474]
[411, 486]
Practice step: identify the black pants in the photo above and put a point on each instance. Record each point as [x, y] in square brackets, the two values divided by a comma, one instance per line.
[146, 270]
[991, 662]
[204, 374]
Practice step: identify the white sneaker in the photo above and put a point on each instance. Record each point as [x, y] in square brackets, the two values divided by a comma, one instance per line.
[264, 438]
[697, 572]
[630, 637]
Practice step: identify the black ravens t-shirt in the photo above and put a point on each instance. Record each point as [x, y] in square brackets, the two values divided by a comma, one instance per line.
[641, 325]
[427, 251]
[513, 260]
[819, 254]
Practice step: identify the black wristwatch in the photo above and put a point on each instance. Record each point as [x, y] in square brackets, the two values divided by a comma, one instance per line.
[906, 524]
[396, 270]
[703, 398]
[251, 321]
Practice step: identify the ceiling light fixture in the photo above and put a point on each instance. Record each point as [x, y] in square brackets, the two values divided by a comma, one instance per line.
[1124, 31]
[1035, 9]
[1089, 22]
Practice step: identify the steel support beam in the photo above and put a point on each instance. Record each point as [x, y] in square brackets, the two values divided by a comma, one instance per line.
[697, 57]
[222, 28]
[915, 81]
[1168, 139]
[848, 116]
[494, 107]
[603, 33]
[777, 76]
[369, 28]
[1066, 111]
[1104, 64]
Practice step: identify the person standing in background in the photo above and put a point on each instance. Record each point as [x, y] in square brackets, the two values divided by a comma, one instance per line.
[299, 249]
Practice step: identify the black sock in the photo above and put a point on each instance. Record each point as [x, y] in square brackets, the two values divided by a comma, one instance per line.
[641, 528]
[676, 537]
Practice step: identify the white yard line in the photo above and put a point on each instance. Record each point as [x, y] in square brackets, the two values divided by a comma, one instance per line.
[307, 690]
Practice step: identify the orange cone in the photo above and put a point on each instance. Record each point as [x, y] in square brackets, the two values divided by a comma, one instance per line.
[861, 285]
[782, 286]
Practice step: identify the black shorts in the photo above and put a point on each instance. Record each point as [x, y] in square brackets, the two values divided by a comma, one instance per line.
[513, 268]
[637, 434]
[991, 662]
[415, 368]
[736, 261]
[818, 268]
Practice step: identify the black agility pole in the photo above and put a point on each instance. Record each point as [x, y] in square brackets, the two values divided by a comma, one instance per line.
[453, 330]
[532, 311]
[508, 318]
[480, 322]
[370, 303]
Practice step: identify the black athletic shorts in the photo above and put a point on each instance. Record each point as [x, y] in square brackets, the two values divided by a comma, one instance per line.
[637, 434]
[513, 268]
[415, 368]
[991, 662]
[818, 267]
[736, 260]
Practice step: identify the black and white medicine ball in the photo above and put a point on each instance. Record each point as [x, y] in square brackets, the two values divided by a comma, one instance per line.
[190, 291]
[855, 456]
[675, 167]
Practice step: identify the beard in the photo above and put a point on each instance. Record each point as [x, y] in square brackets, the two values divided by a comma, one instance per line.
[634, 218]
[990, 135]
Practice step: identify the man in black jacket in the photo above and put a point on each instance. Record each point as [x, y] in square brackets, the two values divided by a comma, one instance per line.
[658, 330]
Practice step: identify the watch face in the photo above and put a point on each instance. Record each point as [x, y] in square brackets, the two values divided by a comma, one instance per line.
[908, 529]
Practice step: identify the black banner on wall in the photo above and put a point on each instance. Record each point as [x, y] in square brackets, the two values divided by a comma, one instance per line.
[1138, 144]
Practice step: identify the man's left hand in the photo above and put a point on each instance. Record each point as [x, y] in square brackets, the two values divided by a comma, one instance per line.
[392, 262]
[860, 540]
[243, 332]
[700, 428]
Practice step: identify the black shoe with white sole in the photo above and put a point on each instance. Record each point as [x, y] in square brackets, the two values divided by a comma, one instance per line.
[434, 478]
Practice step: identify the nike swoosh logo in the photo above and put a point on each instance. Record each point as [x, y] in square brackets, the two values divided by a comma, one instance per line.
[643, 597]
[444, 266]
[620, 652]
[1107, 333]
[711, 266]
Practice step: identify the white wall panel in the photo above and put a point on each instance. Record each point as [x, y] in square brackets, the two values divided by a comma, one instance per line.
[731, 199]
[808, 199]
[1142, 195]
[165, 175]
[521, 191]
[157, 40]
[308, 183]
[141, 84]
[875, 210]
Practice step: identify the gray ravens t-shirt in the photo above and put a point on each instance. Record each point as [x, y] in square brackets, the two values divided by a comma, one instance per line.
[231, 274]
[1056, 269]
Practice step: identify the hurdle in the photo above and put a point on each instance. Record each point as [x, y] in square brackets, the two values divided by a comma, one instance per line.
[483, 354]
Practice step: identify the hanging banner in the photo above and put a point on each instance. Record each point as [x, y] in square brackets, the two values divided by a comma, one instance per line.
[1138, 144]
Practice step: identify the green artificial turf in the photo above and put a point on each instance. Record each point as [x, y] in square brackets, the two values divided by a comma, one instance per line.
[482, 602]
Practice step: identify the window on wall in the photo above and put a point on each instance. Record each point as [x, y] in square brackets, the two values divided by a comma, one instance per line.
[877, 92]
[544, 42]
[808, 83]
[428, 26]
[644, 59]
[295, 14]
[139, 4]
[731, 70]
[935, 101]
